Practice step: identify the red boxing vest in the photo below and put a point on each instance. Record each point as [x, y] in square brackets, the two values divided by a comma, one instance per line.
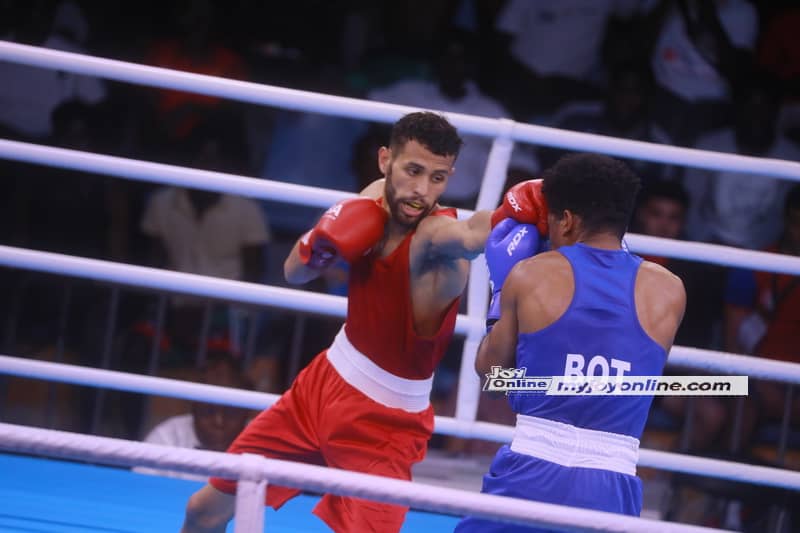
[380, 321]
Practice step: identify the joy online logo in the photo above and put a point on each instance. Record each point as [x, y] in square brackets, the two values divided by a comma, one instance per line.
[514, 379]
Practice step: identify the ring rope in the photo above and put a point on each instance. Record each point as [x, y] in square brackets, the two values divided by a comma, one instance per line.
[300, 194]
[321, 479]
[375, 111]
[299, 300]
[111, 379]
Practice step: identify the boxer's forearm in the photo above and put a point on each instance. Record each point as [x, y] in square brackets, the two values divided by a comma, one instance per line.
[295, 271]
[462, 239]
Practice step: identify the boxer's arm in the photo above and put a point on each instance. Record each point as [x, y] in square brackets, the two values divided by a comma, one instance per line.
[348, 230]
[457, 239]
[660, 302]
[499, 347]
[295, 271]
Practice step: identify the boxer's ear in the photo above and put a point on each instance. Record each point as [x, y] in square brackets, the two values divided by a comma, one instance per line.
[384, 159]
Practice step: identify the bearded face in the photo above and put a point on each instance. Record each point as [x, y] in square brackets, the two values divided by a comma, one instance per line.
[406, 210]
[415, 179]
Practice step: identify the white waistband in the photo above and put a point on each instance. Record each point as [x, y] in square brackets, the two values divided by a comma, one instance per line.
[567, 445]
[412, 395]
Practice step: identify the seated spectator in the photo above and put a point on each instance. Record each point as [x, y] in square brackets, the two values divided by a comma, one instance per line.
[762, 314]
[209, 426]
[626, 112]
[736, 208]
[208, 233]
[661, 212]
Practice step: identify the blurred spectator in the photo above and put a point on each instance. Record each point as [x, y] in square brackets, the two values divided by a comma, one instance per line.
[626, 112]
[549, 63]
[735, 208]
[208, 233]
[779, 54]
[387, 41]
[762, 313]
[28, 95]
[661, 212]
[69, 211]
[209, 426]
[453, 90]
[704, 47]
[196, 50]
[544, 34]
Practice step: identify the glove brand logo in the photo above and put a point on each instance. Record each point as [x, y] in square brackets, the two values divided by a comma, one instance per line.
[514, 204]
[334, 211]
[515, 240]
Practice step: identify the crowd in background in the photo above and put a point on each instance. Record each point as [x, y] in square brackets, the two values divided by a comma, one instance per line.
[720, 75]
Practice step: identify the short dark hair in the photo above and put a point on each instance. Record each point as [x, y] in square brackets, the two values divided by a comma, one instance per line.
[670, 190]
[597, 188]
[431, 130]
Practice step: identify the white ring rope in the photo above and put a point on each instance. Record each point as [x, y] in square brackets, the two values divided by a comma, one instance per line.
[299, 194]
[375, 111]
[316, 478]
[150, 172]
[299, 300]
[153, 278]
[111, 379]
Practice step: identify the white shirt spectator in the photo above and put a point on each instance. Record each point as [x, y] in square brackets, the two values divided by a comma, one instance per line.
[211, 245]
[680, 68]
[28, 95]
[466, 181]
[176, 431]
[561, 37]
[734, 208]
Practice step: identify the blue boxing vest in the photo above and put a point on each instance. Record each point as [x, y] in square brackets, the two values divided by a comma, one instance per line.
[599, 333]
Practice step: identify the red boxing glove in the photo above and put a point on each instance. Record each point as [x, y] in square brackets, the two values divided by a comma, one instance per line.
[348, 230]
[525, 203]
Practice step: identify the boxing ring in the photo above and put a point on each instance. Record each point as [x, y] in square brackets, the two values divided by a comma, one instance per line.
[255, 472]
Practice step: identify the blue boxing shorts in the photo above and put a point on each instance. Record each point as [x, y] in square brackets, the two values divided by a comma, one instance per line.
[523, 476]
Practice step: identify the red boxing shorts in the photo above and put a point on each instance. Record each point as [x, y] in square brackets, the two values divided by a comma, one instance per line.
[324, 420]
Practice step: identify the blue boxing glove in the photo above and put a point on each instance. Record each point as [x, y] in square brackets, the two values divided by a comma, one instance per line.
[509, 243]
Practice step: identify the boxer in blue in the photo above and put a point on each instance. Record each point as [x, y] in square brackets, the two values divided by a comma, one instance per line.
[587, 307]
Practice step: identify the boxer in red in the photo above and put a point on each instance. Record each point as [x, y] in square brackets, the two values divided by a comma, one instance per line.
[363, 404]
